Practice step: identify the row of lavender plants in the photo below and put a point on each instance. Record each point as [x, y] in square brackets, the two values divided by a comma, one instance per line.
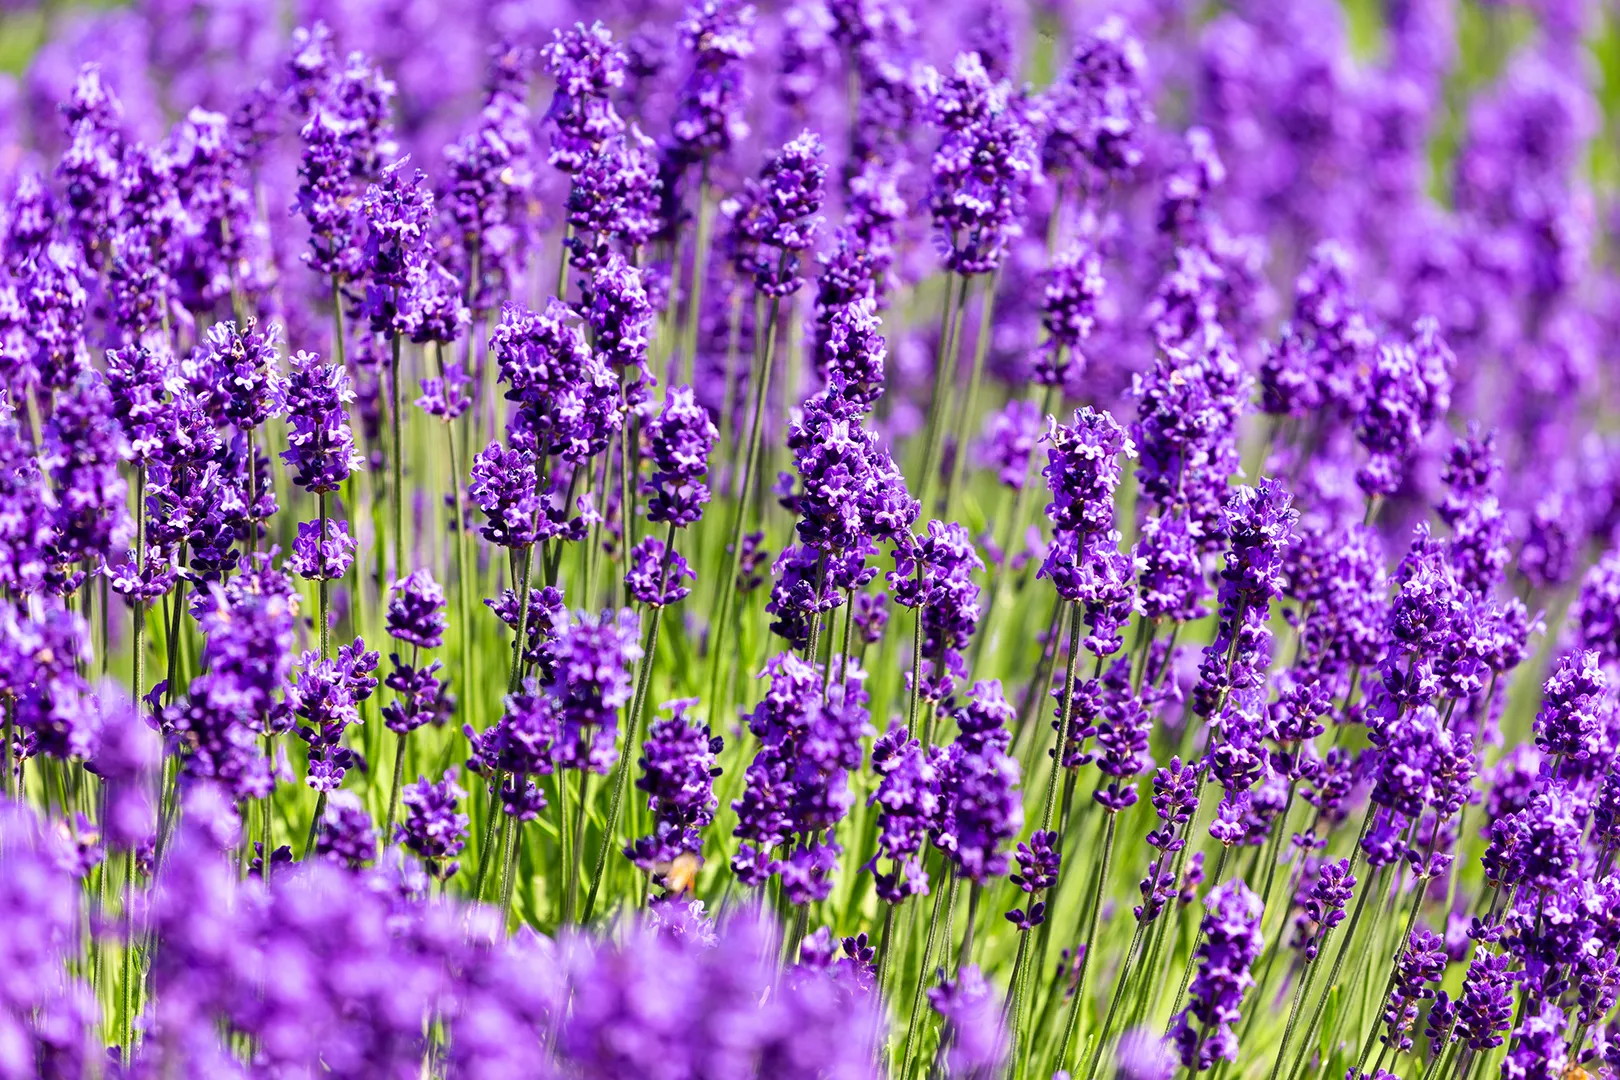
[858, 538]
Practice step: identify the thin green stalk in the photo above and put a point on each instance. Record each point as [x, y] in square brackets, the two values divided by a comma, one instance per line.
[944, 379]
[137, 682]
[1198, 938]
[965, 955]
[510, 828]
[801, 923]
[1419, 886]
[627, 502]
[314, 826]
[1154, 950]
[393, 791]
[1368, 887]
[268, 812]
[725, 582]
[1120, 982]
[565, 836]
[127, 975]
[321, 584]
[1363, 891]
[1446, 1054]
[885, 962]
[469, 680]
[396, 493]
[964, 414]
[700, 271]
[922, 977]
[621, 773]
[1090, 943]
[571, 871]
[487, 846]
[916, 661]
[1012, 528]
[1071, 671]
[515, 677]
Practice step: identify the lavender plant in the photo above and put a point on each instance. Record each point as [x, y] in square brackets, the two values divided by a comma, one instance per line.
[963, 540]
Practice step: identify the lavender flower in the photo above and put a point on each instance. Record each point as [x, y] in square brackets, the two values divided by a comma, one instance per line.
[656, 574]
[936, 573]
[588, 67]
[677, 773]
[322, 559]
[851, 353]
[1408, 388]
[1230, 943]
[505, 489]
[1009, 439]
[1068, 312]
[777, 216]
[1038, 865]
[347, 833]
[432, 828]
[908, 801]
[680, 440]
[709, 113]
[1573, 702]
[975, 1036]
[593, 656]
[1098, 108]
[1324, 906]
[1422, 961]
[314, 397]
[416, 610]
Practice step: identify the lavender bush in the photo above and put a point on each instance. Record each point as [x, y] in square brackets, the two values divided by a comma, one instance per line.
[840, 539]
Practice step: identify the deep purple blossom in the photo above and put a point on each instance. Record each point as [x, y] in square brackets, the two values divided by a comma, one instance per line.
[416, 610]
[680, 440]
[594, 657]
[433, 828]
[908, 801]
[1231, 942]
[983, 168]
[657, 575]
[314, 398]
[318, 558]
[677, 773]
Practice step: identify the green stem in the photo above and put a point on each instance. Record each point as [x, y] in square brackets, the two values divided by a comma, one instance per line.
[627, 501]
[1418, 888]
[464, 582]
[944, 379]
[1090, 942]
[965, 955]
[700, 271]
[565, 836]
[638, 703]
[981, 349]
[571, 874]
[314, 827]
[1299, 996]
[1365, 891]
[509, 846]
[393, 793]
[922, 976]
[487, 847]
[396, 463]
[321, 584]
[127, 977]
[1120, 982]
[725, 583]
[1198, 938]
[1049, 803]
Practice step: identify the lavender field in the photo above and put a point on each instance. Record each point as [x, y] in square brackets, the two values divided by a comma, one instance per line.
[910, 539]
